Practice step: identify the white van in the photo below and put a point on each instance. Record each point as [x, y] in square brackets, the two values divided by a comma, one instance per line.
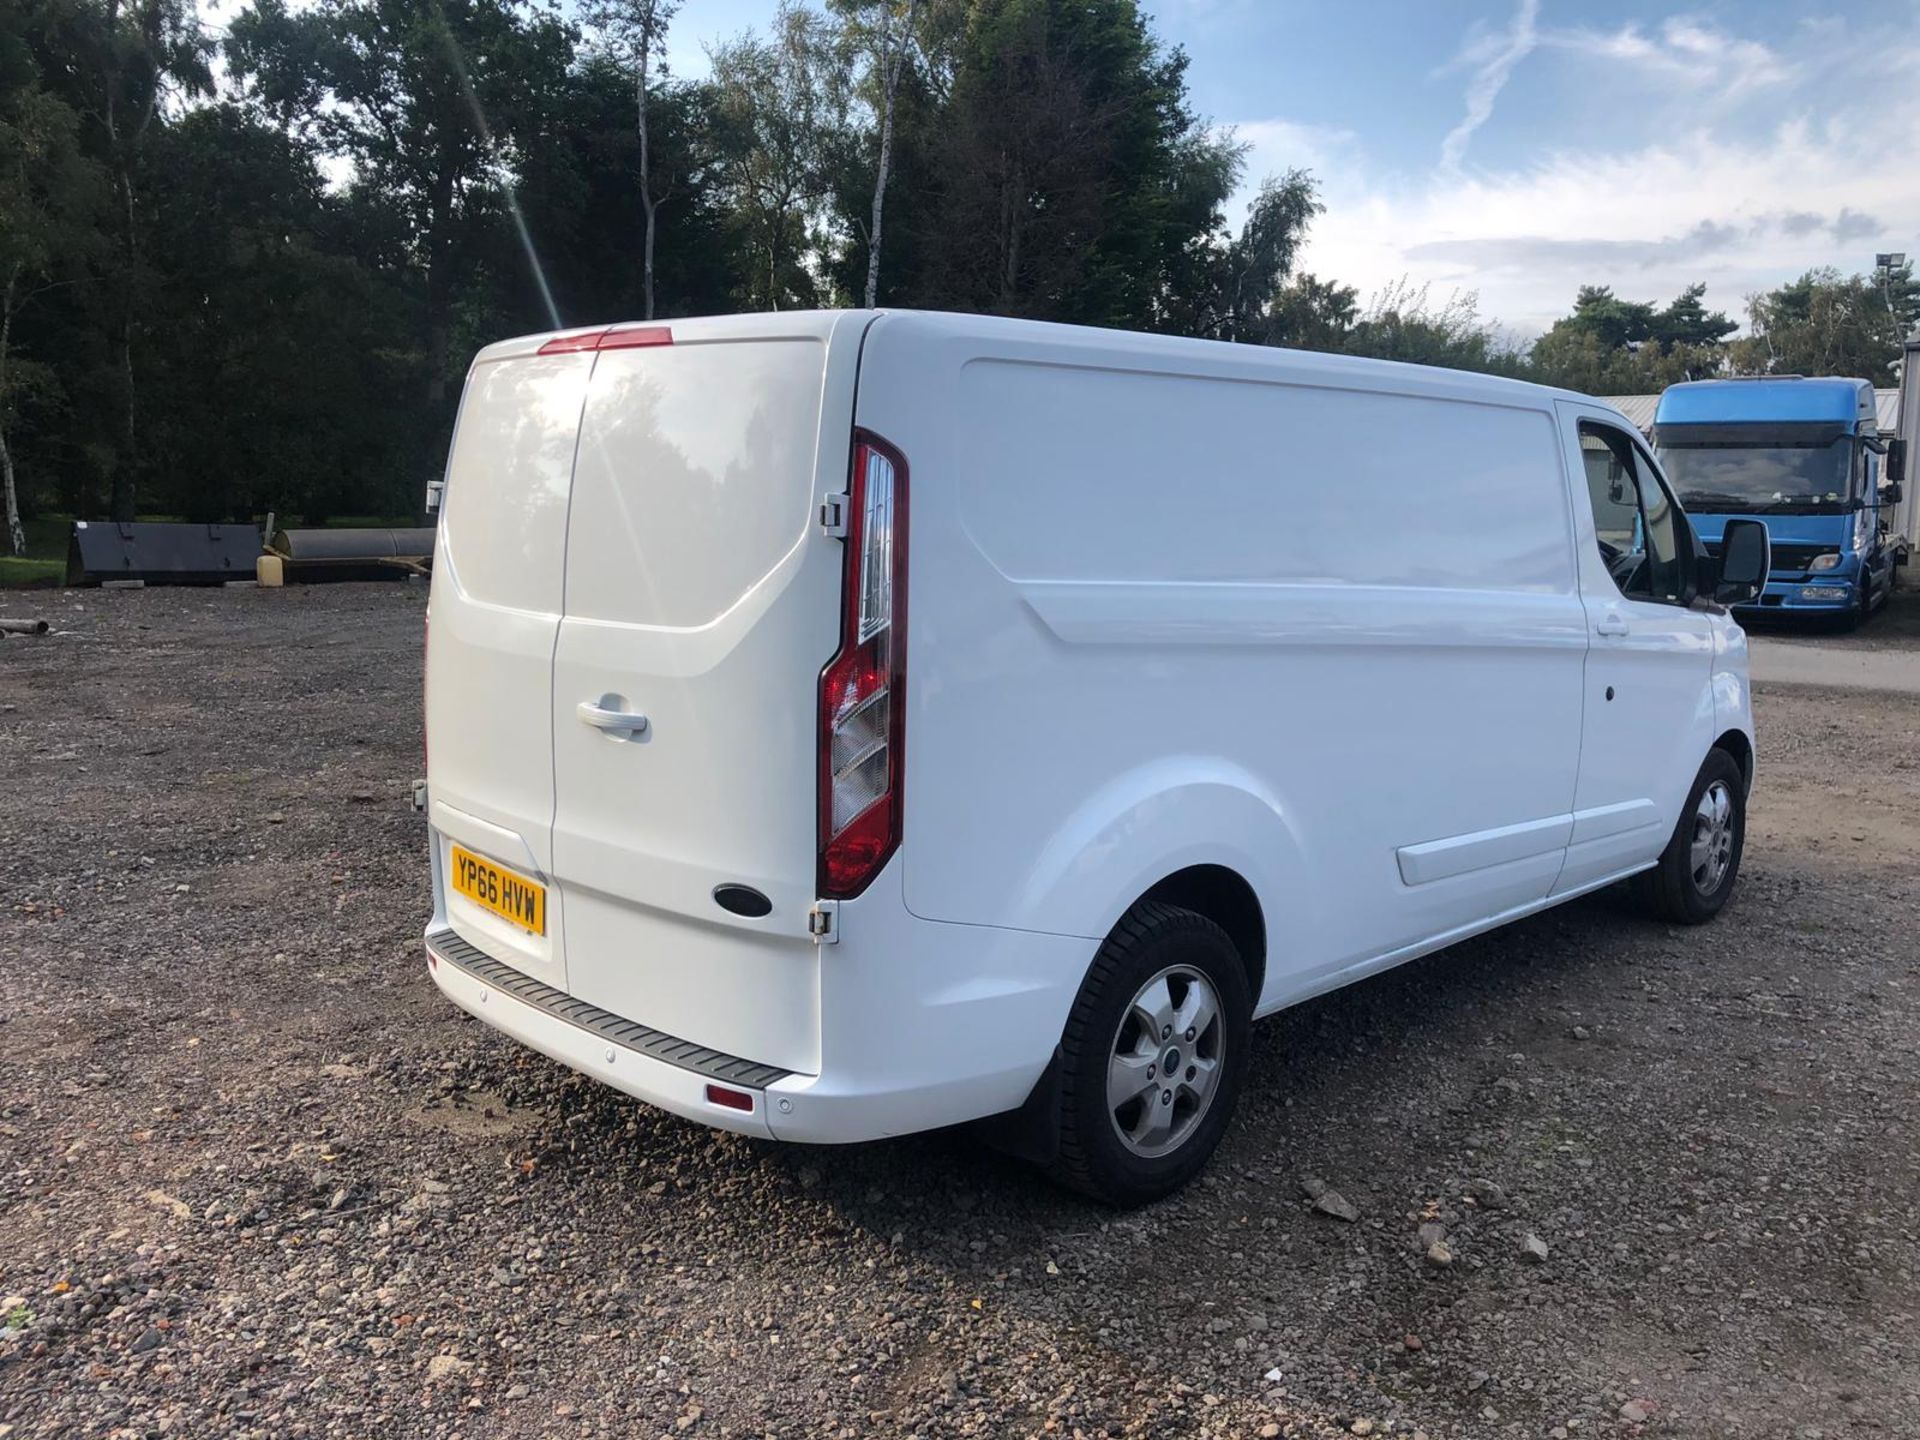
[846, 724]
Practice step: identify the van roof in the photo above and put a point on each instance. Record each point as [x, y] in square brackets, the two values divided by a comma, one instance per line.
[1040, 339]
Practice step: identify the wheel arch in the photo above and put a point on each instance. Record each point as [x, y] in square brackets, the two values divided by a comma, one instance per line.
[1193, 831]
[1225, 897]
[1737, 744]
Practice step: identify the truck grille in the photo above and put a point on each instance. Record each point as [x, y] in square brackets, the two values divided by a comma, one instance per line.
[1786, 557]
[655, 1044]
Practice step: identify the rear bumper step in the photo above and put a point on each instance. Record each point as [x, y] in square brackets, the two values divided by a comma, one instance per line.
[450, 949]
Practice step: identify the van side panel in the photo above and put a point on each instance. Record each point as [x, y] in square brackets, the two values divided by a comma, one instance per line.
[1192, 609]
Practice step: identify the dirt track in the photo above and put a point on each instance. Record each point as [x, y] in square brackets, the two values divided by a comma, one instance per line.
[256, 1177]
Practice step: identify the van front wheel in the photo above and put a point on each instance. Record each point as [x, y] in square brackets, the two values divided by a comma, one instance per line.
[1153, 1056]
[1696, 872]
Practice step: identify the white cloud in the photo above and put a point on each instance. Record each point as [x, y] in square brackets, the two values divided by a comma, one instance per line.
[1682, 50]
[1491, 58]
[1276, 146]
[1739, 216]
[1708, 189]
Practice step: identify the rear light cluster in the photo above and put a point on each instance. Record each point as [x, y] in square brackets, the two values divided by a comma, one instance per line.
[863, 688]
[615, 338]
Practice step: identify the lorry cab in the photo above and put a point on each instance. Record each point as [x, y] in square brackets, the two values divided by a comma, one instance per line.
[1803, 455]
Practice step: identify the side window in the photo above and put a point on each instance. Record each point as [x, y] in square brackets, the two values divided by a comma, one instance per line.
[1633, 517]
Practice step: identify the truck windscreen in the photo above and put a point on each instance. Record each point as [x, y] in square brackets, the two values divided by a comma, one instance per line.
[1749, 479]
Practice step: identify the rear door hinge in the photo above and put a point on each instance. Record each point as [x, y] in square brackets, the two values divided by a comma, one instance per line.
[823, 922]
[833, 516]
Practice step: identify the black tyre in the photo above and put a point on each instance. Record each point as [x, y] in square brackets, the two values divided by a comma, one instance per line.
[1697, 870]
[1152, 1058]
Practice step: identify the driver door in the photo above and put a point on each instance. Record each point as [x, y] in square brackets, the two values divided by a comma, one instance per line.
[1647, 715]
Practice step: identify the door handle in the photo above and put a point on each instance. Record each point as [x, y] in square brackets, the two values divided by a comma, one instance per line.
[1610, 625]
[610, 717]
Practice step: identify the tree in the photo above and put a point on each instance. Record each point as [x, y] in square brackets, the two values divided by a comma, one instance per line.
[1261, 256]
[120, 65]
[1610, 346]
[1402, 323]
[1687, 321]
[1312, 314]
[426, 101]
[781, 104]
[1613, 322]
[1825, 323]
[583, 208]
[51, 205]
[888, 33]
[275, 379]
[632, 31]
[1074, 183]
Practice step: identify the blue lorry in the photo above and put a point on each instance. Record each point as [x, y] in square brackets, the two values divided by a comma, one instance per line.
[1804, 455]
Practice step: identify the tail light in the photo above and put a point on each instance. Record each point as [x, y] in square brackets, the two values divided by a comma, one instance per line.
[863, 688]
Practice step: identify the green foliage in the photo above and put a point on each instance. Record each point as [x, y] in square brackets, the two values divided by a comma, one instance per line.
[1312, 314]
[780, 108]
[1071, 180]
[265, 298]
[1610, 346]
[1401, 322]
[1825, 323]
[273, 387]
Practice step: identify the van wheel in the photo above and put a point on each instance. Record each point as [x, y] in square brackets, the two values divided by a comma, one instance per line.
[1153, 1056]
[1696, 872]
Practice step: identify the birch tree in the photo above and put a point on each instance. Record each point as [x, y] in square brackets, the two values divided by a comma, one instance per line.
[888, 31]
[633, 32]
[781, 105]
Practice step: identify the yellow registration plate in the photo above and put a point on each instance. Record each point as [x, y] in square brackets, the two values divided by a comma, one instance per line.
[507, 893]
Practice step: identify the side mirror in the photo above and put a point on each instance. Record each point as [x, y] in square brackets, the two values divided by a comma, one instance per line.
[1894, 464]
[1746, 555]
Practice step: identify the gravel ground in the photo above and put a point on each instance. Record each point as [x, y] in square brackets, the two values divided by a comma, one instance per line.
[256, 1178]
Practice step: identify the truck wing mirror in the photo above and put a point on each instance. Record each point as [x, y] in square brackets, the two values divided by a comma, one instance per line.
[1895, 465]
[1746, 555]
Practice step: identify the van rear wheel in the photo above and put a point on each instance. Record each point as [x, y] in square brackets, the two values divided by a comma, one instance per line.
[1153, 1056]
[1695, 876]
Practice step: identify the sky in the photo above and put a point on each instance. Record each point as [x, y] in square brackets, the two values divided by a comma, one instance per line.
[1518, 149]
[1522, 148]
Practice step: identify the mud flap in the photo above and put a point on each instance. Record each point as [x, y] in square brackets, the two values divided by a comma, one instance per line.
[1031, 1132]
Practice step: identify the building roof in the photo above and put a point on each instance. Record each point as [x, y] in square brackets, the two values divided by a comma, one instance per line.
[1640, 409]
[1637, 408]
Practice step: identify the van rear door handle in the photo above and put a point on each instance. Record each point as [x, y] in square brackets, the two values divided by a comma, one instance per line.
[609, 717]
[1610, 625]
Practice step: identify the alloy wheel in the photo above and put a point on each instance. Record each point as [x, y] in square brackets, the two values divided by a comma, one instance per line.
[1165, 1062]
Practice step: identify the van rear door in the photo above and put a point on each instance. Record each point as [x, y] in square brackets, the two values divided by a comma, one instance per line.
[497, 592]
[702, 598]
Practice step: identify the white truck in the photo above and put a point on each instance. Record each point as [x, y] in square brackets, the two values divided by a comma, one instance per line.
[846, 724]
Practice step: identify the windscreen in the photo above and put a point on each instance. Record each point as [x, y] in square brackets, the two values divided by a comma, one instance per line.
[1755, 478]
